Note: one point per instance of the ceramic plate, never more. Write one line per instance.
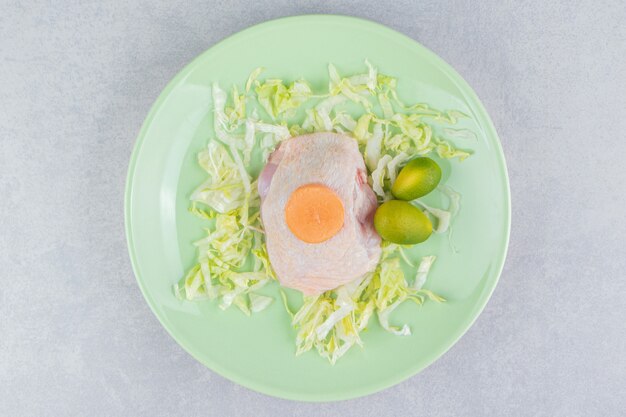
(258, 351)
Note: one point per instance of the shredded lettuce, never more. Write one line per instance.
(454, 197)
(331, 322)
(222, 254)
(344, 121)
(443, 217)
(385, 173)
(253, 77)
(280, 100)
(224, 189)
(410, 131)
(259, 302)
(361, 130)
(249, 141)
(394, 164)
(234, 207)
(222, 124)
(446, 150)
(272, 136)
(378, 177)
(355, 88)
(464, 134)
(454, 207)
(422, 271)
(319, 118)
(374, 146)
(233, 264)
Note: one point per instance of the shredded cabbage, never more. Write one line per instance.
(385, 174)
(234, 203)
(280, 100)
(443, 216)
(224, 189)
(374, 146)
(318, 118)
(233, 264)
(221, 255)
(259, 302)
(454, 207)
(378, 177)
(422, 271)
(361, 130)
(394, 164)
(331, 322)
(446, 150)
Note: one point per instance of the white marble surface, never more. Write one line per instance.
(76, 336)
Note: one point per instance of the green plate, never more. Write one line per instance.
(258, 352)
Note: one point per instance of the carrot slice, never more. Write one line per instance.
(314, 213)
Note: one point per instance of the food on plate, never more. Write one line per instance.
(400, 222)
(418, 177)
(317, 211)
(312, 216)
(314, 213)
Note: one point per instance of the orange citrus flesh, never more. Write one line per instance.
(314, 213)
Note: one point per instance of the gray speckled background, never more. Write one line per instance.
(76, 81)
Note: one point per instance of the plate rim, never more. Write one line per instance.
(463, 87)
